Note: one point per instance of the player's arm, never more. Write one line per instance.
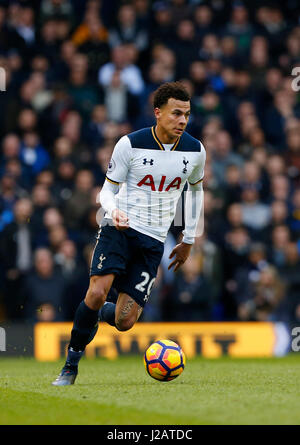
(193, 210)
(108, 202)
(116, 174)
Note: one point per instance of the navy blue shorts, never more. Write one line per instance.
(132, 256)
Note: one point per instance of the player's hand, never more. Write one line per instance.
(120, 219)
(181, 252)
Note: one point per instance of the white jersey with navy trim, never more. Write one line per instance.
(151, 176)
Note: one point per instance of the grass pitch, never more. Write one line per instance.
(222, 391)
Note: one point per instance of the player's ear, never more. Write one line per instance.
(157, 112)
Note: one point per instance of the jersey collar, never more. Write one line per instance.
(159, 143)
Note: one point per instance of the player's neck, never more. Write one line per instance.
(163, 136)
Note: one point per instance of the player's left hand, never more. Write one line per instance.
(181, 252)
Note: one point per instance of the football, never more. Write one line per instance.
(164, 360)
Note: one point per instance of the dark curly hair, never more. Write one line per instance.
(168, 90)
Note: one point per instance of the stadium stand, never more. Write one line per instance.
(79, 75)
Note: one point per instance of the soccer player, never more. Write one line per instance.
(145, 178)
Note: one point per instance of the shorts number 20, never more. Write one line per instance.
(143, 284)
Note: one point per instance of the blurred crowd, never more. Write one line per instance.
(81, 74)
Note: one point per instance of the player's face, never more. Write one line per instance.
(172, 119)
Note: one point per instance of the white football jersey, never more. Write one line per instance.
(151, 176)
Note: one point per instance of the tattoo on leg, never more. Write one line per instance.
(140, 310)
(126, 309)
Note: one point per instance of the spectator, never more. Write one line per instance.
(233, 185)
(266, 296)
(210, 256)
(293, 152)
(191, 295)
(163, 29)
(72, 129)
(91, 29)
(102, 158)
(33, 155)
(234, 216)
(10, 149)
(25, 25)
(259, 60)
(56, 8)
(123, 61)
(48, 44)
(289, 272)
(280, 187)
(256, 215)
(65, 173)
(198, 76)
(51, 218)
(120, 103)
(57, 234)
(235, 252)
(203, 16)
(75, 275)
(240, 27)
(16, 256)
(62, 149)
(223, 155)
(83, 95)
(183, 47)
(294, 219)
(79, 202)
(41, 199)
(280, 237)
(283, 107)
(9, 38)
(165, 58)
(91, 39)
(180, 10)
(128, 29)
(95, 127)
(247, 275)
(230, 56)
(9, 192)
(44, 289)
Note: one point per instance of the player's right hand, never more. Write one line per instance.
(120, 219)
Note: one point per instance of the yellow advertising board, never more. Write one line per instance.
(211, 340)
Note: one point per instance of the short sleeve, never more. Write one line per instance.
(120, 161)
(197, 174)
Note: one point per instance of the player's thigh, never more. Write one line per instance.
(128, 312)
(141, 271)
(111, 252)
(108, 260)
(98, 289)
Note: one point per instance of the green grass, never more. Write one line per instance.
(222, 391)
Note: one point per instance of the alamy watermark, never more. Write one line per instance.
(157, 212)
(2, 340)
(296, 339)
(296, 81)
(2, 79)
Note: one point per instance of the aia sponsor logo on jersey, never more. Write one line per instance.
(149, 182)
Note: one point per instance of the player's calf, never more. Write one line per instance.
(125, 324)
(84, 327)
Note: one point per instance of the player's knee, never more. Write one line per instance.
(96, 295)
(125, 324)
